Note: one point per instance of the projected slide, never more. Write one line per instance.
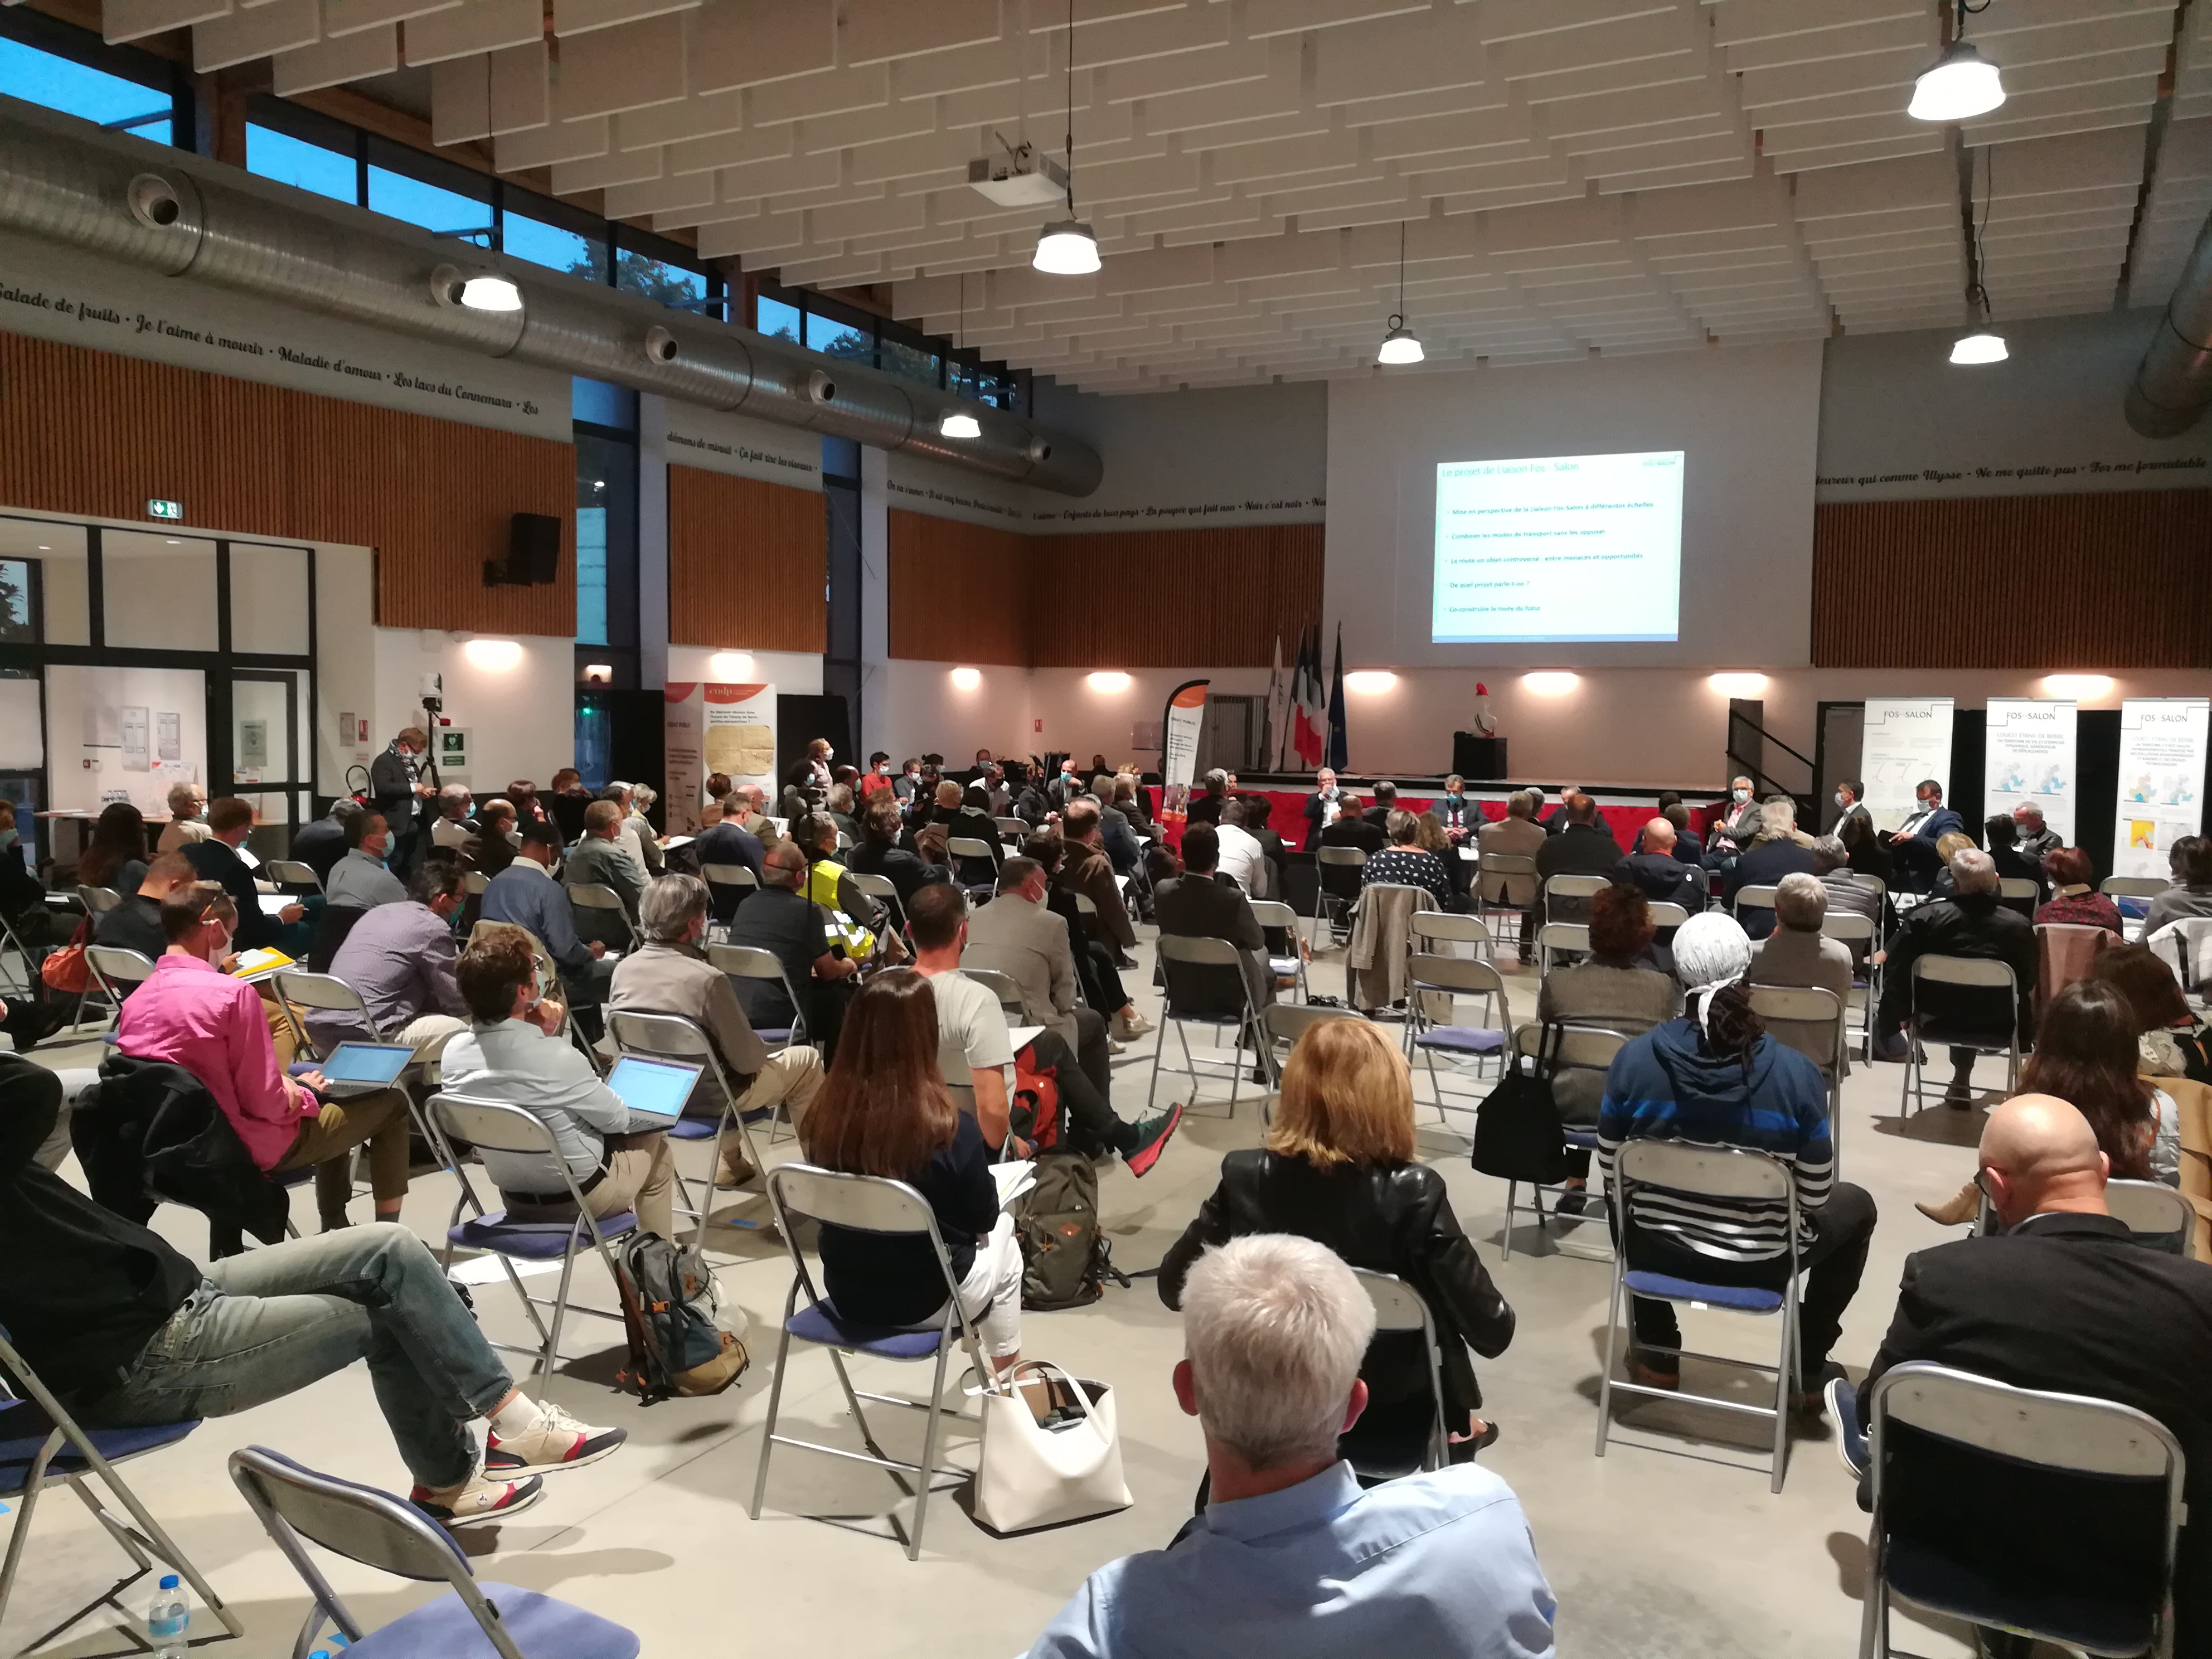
(1568, 548)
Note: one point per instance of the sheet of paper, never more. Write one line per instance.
(1014, 1179)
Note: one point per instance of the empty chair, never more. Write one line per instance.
(1498, 867)
(1432, 981)
(1339, 868)
(2133, 894)
(1566, 898)
(1447, 933)
(1285, 1023)
(1859, 935)
(296, 1507)
(1289, 964)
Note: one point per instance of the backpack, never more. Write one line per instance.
(672, 1316)
(1034, 1113)
(1066, 1258)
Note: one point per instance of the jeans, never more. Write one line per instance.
(1102, 980)
(1091, 1123)
(270, 1322)
(1092, 1050)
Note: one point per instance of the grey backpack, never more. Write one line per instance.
(1065, 1256)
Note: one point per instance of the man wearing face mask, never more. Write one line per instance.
(1849, 803)
(907, 782)
(359, 880)
(230, 821)
(1915, 839)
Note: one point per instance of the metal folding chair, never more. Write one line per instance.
(97, 899)
(41, 1444)
(869, 1204)
(1380, 1450)
(1753, 898)
(1285, 1023)
(880, 888)
(299, 992)
(1428, 975)
(2019, 893)
(1729, 1174)
(291, 872)
(1447, 933)
(1559, 938)
(2132, 887)
(1665, 913)
(1217, 962)
(1001, 985)
(1572, 887)
(494, 1126)
(1012, 832)
(749, 962)
(2079, 1445)
(973, 866)
(671, 1036)
(594, 906)
(1338, 888)
(1817, 1008)
(473, 883)
(1572, 1047)
(1919, 1031)
(736, 877)
(1272, 914)
(1853, 930)
(11, 940)
(296, 1507)
(110, 970)
(1499, 865)
(2160, 1216)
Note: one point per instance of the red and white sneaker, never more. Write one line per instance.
(480, 1498)
(559, 1441)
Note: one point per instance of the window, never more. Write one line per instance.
(19, 610)
(431, 206)
(777, 320)
(290, 161)
(908, 362)
(568, 251)
(607, 540)
(656, 279)
(835, 339)
(75, 88)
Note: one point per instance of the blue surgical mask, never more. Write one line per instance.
(1840, 801)
(7, 839)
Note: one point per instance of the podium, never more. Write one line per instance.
(1478, 757)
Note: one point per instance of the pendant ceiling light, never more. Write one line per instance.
(1401, 344)
(957, 422)
(1962, 83)
(1068, 248)
(1983, 344)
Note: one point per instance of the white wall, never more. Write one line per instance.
(346, 664)
(522, 718)
(915, 708)
(793, 673)
(1226, 456)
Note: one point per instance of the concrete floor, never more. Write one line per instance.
(1668, 1547)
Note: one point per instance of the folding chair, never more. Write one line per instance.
(1338, 890)
(494, 1126)
(2119, 888)
(1958, 970)
(734, 877)
(1820, 1009)
(1002, 986)
(1753, 898)
(1572, 887)
(298, 993)
(973, 866)
(290, 872)
(110, 970)
(1728, 1174)
(40, 1444)
(1429, 975)
(1215, 962)
(1272, 913)
(1378, 1448)
(1565, 937)
(11, 940)
(473, 882)
(879, 888)
(1665, 913)
(1012, 832)
(868, 1204)
(1501, 865)
(2054, 1454)
(2019, 893)
(749, 962)
(1285, 1023)
(594, 906)
(1572, 1047)
(2160, 1216)
(97, 899)
(1854, 930)
(296, 1507)
(671, 1036)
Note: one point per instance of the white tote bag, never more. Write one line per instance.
(1034, 1476)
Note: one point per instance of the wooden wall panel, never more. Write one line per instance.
(2115, 580)
(747, 563)
(959, 593)
(92, 433)
(1175, 598)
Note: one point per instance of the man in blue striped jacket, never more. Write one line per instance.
(1715, 1078)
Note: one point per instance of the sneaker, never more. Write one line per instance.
(1146, 1152)
(1649, 1376)
(559, 1441)
(1129, 1027)
(1851, 1439)
(1115, 1046)
(736, 1170)
(482, 1498)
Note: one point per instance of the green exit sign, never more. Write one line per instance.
(160, 509)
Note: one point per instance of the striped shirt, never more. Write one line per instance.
(1662, 1086)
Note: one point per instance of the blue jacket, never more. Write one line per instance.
(526, 896)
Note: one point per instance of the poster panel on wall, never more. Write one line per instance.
(1906, 740)
(709, 728)
(1185, 713)
(2162, 755)
(2028, 760)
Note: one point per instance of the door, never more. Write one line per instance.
(267, 764)
(1226, 736)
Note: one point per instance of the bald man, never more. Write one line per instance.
(1663, 877)
(2063, 1300)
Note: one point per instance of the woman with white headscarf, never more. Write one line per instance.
(1714, 1077)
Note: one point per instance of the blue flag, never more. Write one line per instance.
(1337, 759)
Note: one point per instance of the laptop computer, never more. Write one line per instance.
(360, 1068)
(654, 1089)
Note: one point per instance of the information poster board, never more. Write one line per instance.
(2029, 760)
(709, 728)
(2162, 754)
(1906, 740)
(1179, 727)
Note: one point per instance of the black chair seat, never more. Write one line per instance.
(2061, 1612)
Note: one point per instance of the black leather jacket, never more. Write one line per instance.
(1387, 1218)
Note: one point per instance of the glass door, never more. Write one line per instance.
(265, 745)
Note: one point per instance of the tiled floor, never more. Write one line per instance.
(1668, 1552)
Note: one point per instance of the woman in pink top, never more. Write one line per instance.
(192, 1014)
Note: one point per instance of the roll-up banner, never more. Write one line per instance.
(2028, 760)
(709, 728)
(1906, 740)
(1179, 726)
(2162, 755)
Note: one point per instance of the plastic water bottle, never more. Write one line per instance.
(169, 1620)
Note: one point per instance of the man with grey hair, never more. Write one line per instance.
(1206, 808)
(451, 827)
(1291, 1558)
(1849, 892)
(1797, 954)
(800, 934)
(1971, 922)
(605, 857)
(1517, 835)
(1779, 849)
(2035, 838)
(670, 974)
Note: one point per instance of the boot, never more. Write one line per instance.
(1961, 1207)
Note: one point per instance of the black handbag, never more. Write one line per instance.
(1516, 1128)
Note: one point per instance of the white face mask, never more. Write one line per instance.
(1842, 799)
(1742, 794)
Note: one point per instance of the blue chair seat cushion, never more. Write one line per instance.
(24, 1428)
(536, 1241)
(1582, 1141)
(1461, 1040)
(822, 1323)
(693, 1128)
(1741, 1299)
(443, 1629)
(773, 1033)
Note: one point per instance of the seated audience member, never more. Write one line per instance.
(1779, 849)
(1658, 873)
(193, 1015)
(2073, 898)
(726, 841)
(513, 1052)
(645, 840)
(565, 800)
(1459, 816)
(320, 843)
(884, 1110)
(1323, 807)
(669, 974)
(975, 1049)
(1033, 801)
(1354, 828)
(215, 857)
(1849, 803)
(1123, 849)
(876, 779)
(1084, 869)
(1430, 836)
(1206, 808)
(1868, 853)
(960, 815)
(1240, 857)
(2170, 1041)
(1094, 957)
(359, 880)
(117, 857)
(839, 808)
(1340, 1168)
(187, 818)
(879, 853)
(135, 1336)
(1969, 923)
(523, 794)
(1256, 810)
(782, 920)
(22, 895)
(1291, 1558)
(2001, 832)
(867, 931)
(1616, 989)
(1583, 846)
(399, 957)
(1386, 802)
(905, 787)
(525, 895)
(491, 849)
(2061, 1301)
(1739, 821)
(1913, 842)
(998, 797)
(2035, 839)
(1403, 863)
(1198, 904)
(1796, 953)
(1848, 893)
(752, 815)
(1131, 800)
(1716, 1078)
(1689, 845)
(2190, 861)
(136, 924)
(604, 858)
(451, 827)
(1517, 835)
(717, 785)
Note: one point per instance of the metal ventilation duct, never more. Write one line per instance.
(2173, 383)
(127, 200)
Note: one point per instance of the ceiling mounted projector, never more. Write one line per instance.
(1021, 177)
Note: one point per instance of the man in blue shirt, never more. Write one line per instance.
(1291, 1558)
(526, 894)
